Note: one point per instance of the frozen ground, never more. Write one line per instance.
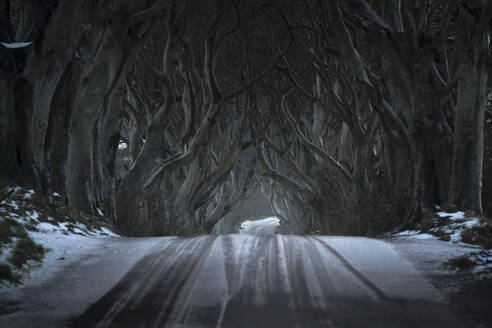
(250, 280)
(64, 250)
(465, 292)
(443, 242)
(256, 278)
(82, 263)
(428, 255)
(65, 239)
(75, 275)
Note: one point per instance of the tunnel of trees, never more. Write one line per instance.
(348, 116)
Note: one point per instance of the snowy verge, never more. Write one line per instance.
(458, 240)
(92, 267)
(64, 249)
(36, 241)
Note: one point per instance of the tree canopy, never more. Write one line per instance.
(351, 116)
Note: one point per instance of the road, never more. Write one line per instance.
(258, 279)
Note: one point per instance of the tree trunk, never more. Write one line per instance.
(413, 89)
(466, 178)
(100, 78)
(106, 145)
(10, 127)
(472, 44)
(57, 134)
(44, 72)
(131, 191)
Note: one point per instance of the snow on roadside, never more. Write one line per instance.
(64, 248)
(428, 257)
(453, 235)
(64, 239)
(415, 234)
(455, 224)
(459, 223)
(483, 263)
(453, 216)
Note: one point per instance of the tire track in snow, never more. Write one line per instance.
(379, 293)
(148, 289)
(252, 281)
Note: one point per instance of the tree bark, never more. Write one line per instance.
(466, 177)
(472, 42)
(44, 72)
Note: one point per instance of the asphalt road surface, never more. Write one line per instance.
(260, 279)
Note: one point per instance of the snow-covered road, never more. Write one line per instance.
(65, 287)
(270, 281)
(253, 279)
